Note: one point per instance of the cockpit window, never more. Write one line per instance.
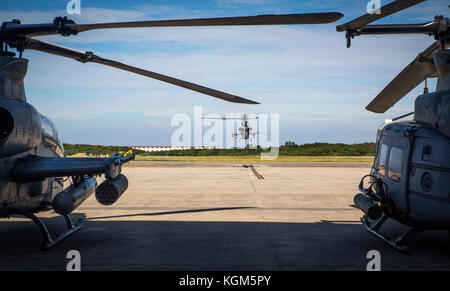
(395, 164)
(50, 132)
(383, 159)
(48, 128)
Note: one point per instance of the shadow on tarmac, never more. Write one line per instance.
(198, 245)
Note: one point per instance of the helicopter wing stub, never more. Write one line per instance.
(271, 19)
(84, 57)
(386, 10)
(35, 168)
(417, 71)
(39, 168)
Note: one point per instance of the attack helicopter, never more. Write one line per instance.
(33, 165)
(245, 131)
(410, 177)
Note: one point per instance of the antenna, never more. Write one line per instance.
(425, 89)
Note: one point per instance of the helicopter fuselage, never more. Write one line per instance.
(23, 132)
(410, 178)
(33, 164)
(413, 160)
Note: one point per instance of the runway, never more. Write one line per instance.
(222, 217)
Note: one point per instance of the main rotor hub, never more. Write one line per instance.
(62, 25)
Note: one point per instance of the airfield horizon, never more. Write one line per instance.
(257, 159)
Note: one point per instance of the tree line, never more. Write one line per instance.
(288, 149)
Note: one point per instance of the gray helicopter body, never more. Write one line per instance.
(33, 164)
(245, 130)
(24, 132)
(410, 178)
(411, 171)
(413, 157)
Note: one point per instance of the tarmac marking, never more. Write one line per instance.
(258, 175)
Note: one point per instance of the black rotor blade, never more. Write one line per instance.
(225, 118)
(412, 75)
(386, 10)
(271, 19)
(66, 27)
(84, 57)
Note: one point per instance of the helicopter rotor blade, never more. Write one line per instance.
(85, 57)
(386, 10)
(271, 19)
(66, 27)
(421, 68)
(231, 118)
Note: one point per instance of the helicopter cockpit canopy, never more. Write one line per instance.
(50, 132)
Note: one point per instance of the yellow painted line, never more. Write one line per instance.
(258, 175)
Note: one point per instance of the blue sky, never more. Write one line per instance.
(303, 73)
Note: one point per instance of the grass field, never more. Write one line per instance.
(251, 159)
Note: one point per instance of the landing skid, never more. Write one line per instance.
(398, 243)
(50, 241)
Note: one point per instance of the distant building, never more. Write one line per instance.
(171, 148)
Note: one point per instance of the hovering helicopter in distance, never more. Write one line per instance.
(245, 131)
(32, 161)
(410, 178)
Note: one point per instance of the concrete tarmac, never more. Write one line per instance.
(223, 218)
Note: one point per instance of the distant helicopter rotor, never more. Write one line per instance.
(245, 131)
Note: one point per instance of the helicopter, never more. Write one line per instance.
(410, 178)
(33, 165)
(245, 131)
